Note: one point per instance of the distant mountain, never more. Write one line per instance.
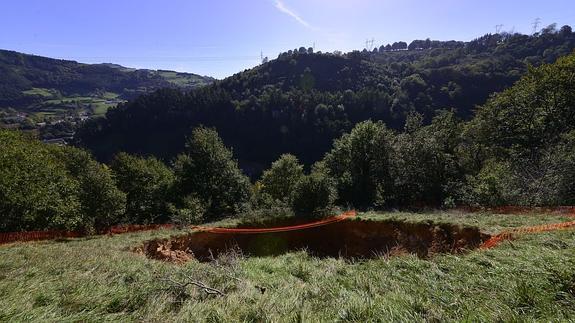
(40, 89)
(302, 100)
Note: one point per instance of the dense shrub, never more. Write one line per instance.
(374, 167)
(36, 191)
(424, 165)
(190, 210)
(102, 203)
(207, 171)
(563, 159)
(360, 163)
(50, 187)
(280, 180)
(518, 149)
(314, 195)
(492, 186)
(148, 185)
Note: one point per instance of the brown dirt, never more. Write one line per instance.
(355, 239)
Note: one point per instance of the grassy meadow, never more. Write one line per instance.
(531, 278)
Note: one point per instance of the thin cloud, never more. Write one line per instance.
(283, 8)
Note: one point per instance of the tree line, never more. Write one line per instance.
(519, 149)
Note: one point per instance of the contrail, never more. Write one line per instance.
(283, 8)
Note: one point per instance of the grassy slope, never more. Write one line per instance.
(532, 278)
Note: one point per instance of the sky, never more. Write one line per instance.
(219, 38)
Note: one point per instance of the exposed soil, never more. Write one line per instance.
(356, 239)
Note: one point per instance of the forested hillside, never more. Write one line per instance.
(40, 90)
(301, 101)
(20, 73)
(519, 149)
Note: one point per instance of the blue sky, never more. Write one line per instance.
(220, 38)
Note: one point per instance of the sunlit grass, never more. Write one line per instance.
(97, 279)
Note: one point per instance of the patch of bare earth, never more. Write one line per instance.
(352, 239)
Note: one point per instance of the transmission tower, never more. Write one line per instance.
(263, 59)
(369, 44)
(498, 28)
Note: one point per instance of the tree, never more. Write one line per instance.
(526, 129)
(314, 195)
(51, 187)
(36, 193)
(421, 169)
(102, 203)
(399, 45)
(307, 81)
(529, 116)
(566, 30)
(207, 171)
(148, 185)
(280, 180)
(272, 99)
(562, 157)
(360, 164)
(492, 186)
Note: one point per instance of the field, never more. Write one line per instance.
(97, 105)
(101, 279)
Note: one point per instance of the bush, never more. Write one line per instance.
(314, 196)
(191, 211)
(102, 203)
(280, 180)
(36, 192)
(264, 207)
(360, 164)
(207, 171)
(493, 186)
(51, 187)
(147, 183)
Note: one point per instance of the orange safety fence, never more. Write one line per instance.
(327, 221)
(9, 237)
(508, 234)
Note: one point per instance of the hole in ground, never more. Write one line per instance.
(354, 239)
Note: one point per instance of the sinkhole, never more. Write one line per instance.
(352, 239)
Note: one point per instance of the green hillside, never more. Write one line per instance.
(35, 89)
(301, 101)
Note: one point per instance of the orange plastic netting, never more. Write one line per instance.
(8, 237)
(319, 223)
(509, 234)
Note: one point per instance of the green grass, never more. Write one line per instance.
(100, 108)
(99, 279)
(46, 93)
(179, 79)
(99, 105)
